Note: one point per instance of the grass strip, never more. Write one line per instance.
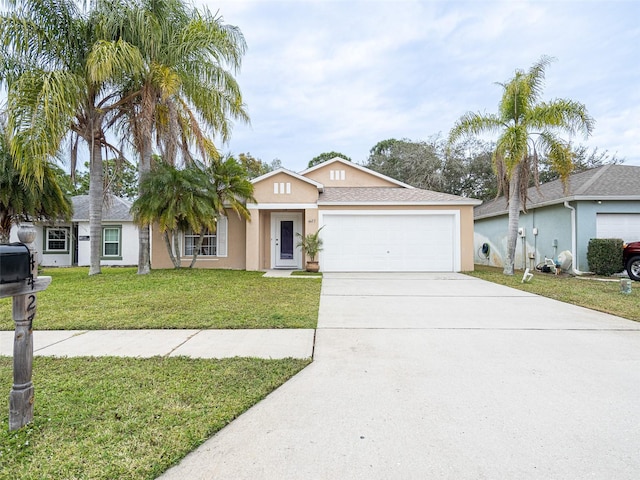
(590, 292)
(196, 299)
(106, 418)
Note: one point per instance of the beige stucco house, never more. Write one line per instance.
(371, 223)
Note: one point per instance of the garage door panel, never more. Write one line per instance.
(380, 242)
(618, 225)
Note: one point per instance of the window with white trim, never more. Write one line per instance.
(112, 241)
(214, 244)
(208, 247)
(56, 240)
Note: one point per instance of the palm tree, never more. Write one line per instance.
(185, 88)
(528, 128)
(58, 75)
(26, 199)
(190, 199)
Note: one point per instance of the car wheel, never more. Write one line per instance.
(633, 268)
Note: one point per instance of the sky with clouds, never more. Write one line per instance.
(341, 75)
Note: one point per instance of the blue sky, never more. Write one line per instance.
(341, 76)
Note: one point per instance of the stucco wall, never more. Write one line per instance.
(295, 190)
(235, 259)
(553, 224)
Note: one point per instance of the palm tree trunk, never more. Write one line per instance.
(96, 193)
(514, 217)
(197, 249)
(167, 242)
(144, 231)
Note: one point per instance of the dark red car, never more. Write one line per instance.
(631, 257)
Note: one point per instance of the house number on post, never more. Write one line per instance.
(23, 291)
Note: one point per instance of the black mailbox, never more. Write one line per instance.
(15, 263)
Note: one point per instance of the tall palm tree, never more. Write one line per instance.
(527, 128)
(59, 76)
(187, 87)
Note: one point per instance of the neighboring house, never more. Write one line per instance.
(371, 223)
(66, 244)
(600, 203)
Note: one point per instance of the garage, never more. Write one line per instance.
(390, 241)
(618, 225)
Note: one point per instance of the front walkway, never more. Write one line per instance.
(443, 376)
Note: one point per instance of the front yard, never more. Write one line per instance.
(597, 294)
(194, 299)
(105, 418)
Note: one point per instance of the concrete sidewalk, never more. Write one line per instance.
(443, 376)
(282, 343)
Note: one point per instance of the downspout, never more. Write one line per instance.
(574, 250)
(574, 246)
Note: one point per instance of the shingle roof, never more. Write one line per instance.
(389, 195)
(113, 209)
(609, 182)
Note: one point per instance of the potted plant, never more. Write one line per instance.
(311, 244)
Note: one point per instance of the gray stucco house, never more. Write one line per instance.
(600, 203)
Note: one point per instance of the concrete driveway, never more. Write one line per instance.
(429, 376)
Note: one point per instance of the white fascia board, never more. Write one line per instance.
(281, 206)
(560, 201)
(399, 204)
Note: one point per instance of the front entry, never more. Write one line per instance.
(284, 253)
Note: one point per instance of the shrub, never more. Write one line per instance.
(605, 256)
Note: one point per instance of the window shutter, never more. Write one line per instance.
(221, 236)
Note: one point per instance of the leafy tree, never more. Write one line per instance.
(120, 179)
(527, 128)
(323, 157)
(190, 198)
(25, 199)
(467, 170)
(185, 85)
(58, 72)
(416, 163)
(254, 166)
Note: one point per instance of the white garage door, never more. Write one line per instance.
(400, 241)
(618, 225)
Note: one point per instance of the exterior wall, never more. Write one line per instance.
(553, 236)
(554, 232)
(353, 177)
(128, 246)
(48, 259)
(466, 224)
(236, 249)
(586, 212)
(295, 190)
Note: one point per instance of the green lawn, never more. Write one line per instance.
(195, 299)
(603, 296)
(115, 418)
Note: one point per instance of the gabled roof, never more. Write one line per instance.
(389, 196)
(609, 182)
(113, 209)
(357, 167)
(318, 185)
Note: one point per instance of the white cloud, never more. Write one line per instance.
(344, 75)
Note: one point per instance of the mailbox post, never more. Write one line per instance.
(21, 282)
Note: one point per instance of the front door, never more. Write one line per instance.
(284, 227)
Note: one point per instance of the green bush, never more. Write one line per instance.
(605, 256)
